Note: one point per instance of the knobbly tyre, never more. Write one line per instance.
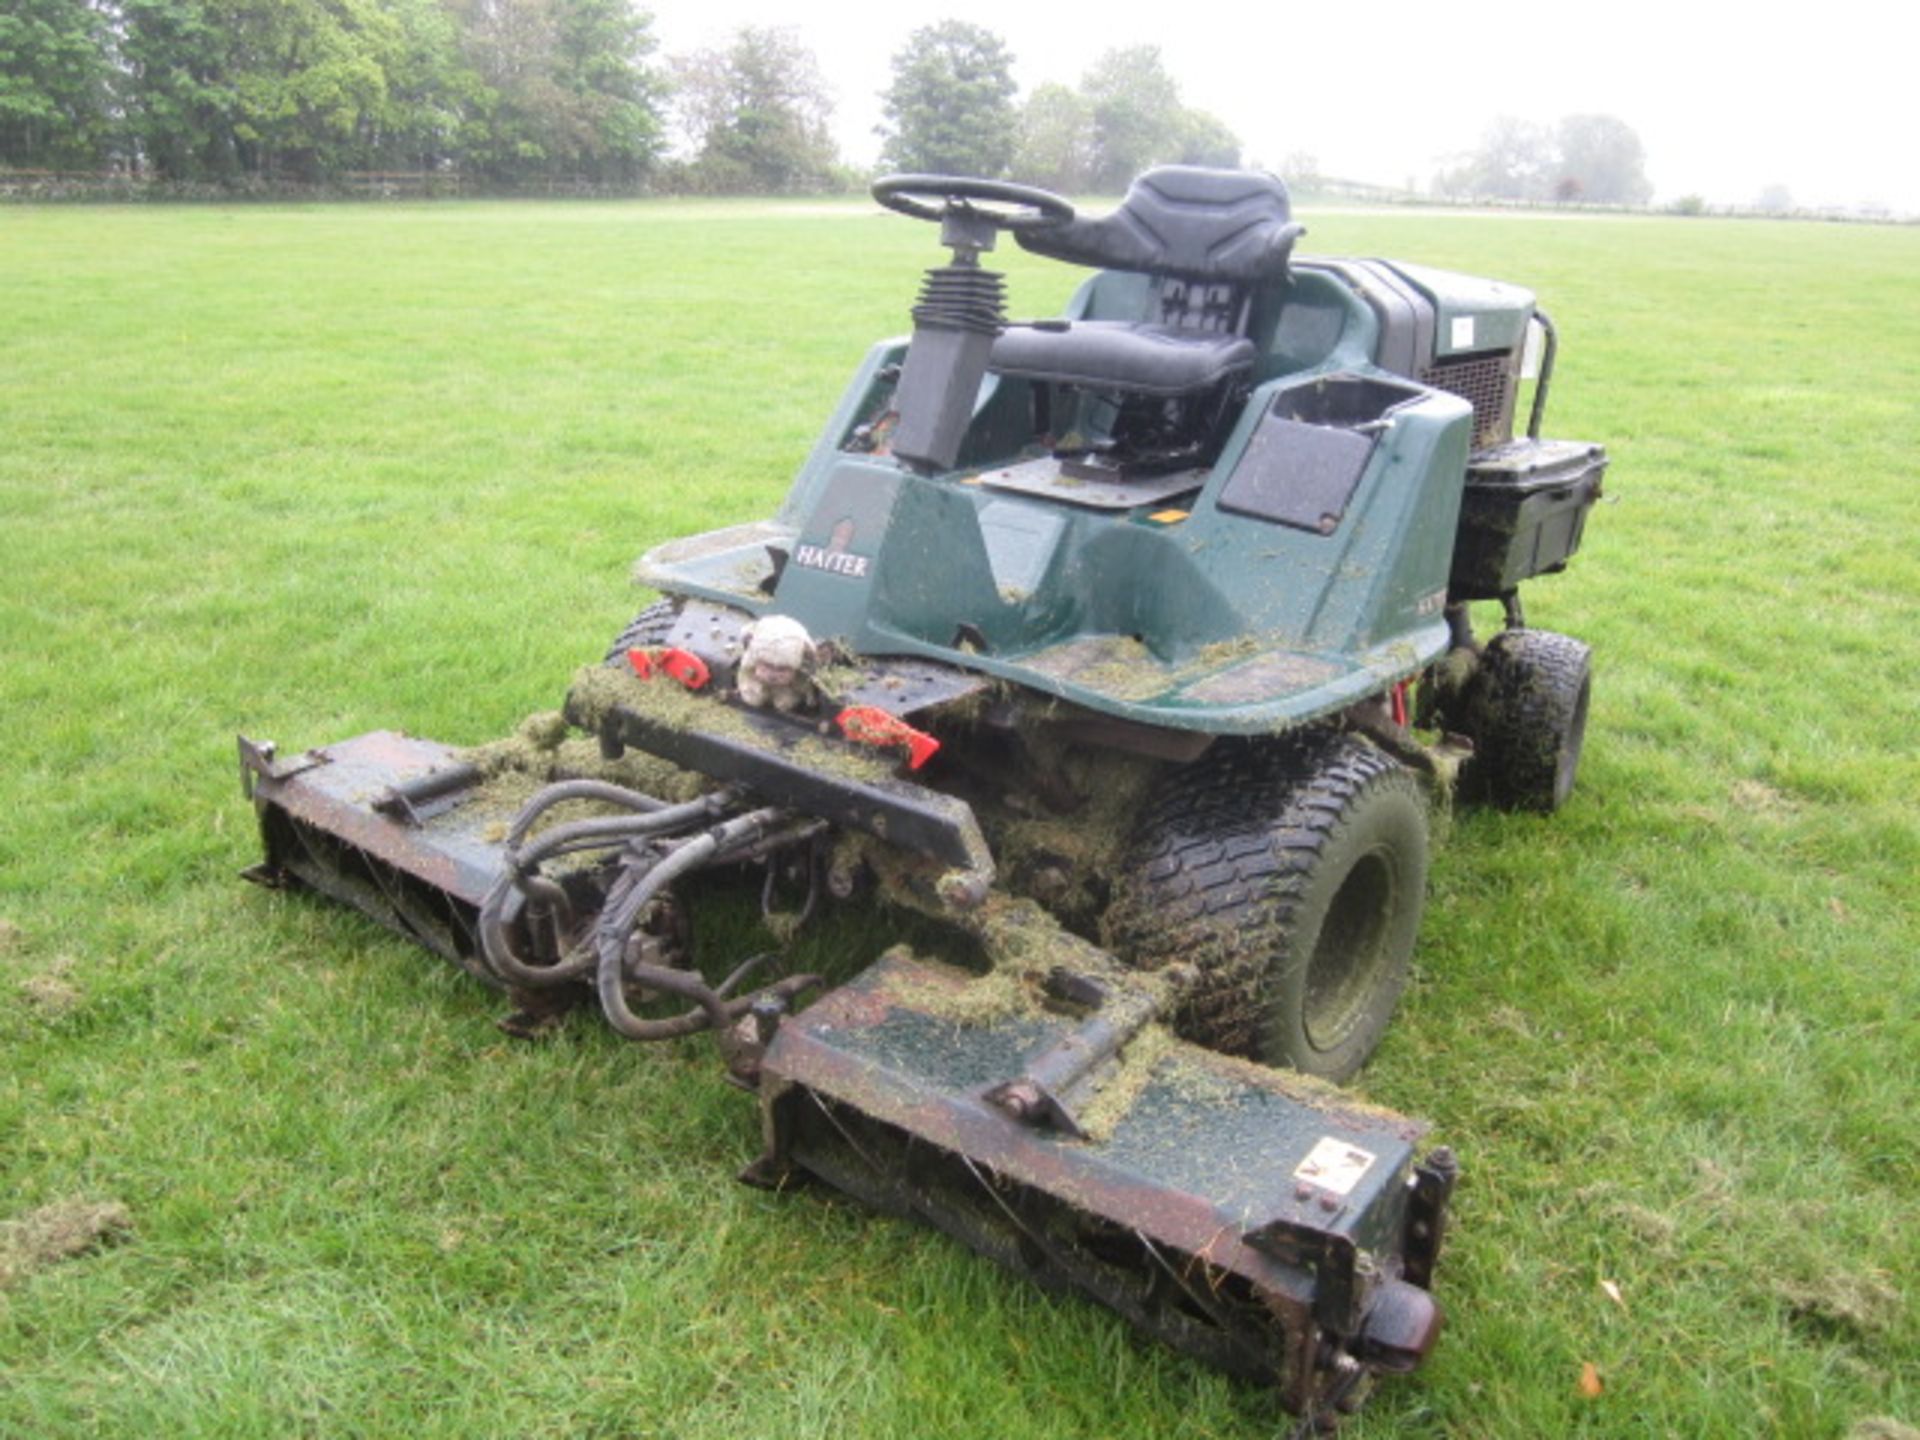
(1134, 647)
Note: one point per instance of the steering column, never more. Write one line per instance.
(962, 305)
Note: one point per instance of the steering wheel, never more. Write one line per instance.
(1028, 208)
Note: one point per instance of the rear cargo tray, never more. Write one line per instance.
(1522, 513)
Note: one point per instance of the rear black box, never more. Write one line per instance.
(1522, 514)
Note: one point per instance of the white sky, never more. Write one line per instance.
(1820, 98)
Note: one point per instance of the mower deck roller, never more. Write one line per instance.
(1268, 1225)
(1278, 1233)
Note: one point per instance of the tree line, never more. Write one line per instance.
(1589, 159)
(507, 93)
(951, 110)
(302, 90)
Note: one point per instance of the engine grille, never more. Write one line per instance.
(1480, 380)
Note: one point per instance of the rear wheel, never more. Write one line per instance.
(1293, 876)
(1527, 712)
(649, 628)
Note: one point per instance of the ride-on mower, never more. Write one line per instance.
(1134, 648)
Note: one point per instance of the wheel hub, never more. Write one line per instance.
(1350, 951)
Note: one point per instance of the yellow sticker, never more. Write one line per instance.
(1168, 517)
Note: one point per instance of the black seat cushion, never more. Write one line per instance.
(1113, 355)
(1232, 227)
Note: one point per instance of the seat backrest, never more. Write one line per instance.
(1216, 227)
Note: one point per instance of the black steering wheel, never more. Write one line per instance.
(1026, 207)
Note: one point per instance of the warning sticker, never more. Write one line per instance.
(1462, 333)
(1334, 1165)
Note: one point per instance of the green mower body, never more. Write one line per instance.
(1300, 565)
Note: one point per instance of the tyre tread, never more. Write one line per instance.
(1216, 855)
(1524, 706)
(650, 627)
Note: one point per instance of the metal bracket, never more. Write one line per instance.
(1432, 1189)
(414, 801)
(1335, 1262)
(1044, 1092)
(257, 763)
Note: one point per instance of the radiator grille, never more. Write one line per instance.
(1480, 380)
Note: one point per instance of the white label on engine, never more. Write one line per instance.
(1334, 1165)
(1462, 333)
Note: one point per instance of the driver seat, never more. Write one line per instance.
(1208, 240)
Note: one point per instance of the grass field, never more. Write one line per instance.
(307, 472)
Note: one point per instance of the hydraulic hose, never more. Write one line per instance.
(660, 852)
(628, 900)
(519, 880)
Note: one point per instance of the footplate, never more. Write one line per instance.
(1272, 1227)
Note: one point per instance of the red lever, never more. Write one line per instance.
(686, 667)
(870, 725)
(683, 665)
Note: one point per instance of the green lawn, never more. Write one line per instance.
(311, 471)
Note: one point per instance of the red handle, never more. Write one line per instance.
(870, 725)
(683, 665)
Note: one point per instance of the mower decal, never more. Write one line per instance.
(1334, 1165)
(834, 562)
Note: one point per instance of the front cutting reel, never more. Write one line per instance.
(1036, 1108)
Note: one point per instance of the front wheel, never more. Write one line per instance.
(1293, 876)
(1526, 710)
